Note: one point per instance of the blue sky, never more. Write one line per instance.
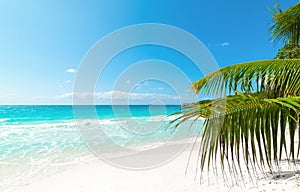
(41, 40)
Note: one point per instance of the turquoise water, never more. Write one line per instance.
(34, 129)
(11, 114)
(39, 140)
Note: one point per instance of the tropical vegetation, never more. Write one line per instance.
(286, 29)
(254, 116)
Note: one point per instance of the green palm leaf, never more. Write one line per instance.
(275, 78)
(286, 25)
(259, 102)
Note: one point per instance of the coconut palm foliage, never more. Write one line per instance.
(286, 24)
(254, 118)
(286, 28)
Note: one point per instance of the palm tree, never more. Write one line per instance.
(286, 28)
(286, 24)
(254, 117)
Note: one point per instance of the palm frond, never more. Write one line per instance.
(275, 78)
(286, 25)
(259, 104)
(247, 126)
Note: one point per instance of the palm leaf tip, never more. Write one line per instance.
(251, 122)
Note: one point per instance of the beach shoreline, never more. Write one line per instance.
(59, 159)
(175, 175)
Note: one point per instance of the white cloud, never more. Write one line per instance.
(128, 81)
(71, 70)
(225, 44)
(65, 95)
(60, 86)
(142, 84)
(68, 81)
(118, 95)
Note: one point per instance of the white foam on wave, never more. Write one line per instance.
(51, 135)
(4, 119)
(40, 124)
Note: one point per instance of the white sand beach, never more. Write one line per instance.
(96, 175)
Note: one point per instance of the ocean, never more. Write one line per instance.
(40, 140)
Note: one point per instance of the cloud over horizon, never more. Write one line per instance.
(120, 97)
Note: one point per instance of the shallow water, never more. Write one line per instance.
(39, 141)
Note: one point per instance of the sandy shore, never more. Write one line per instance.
(97, 175)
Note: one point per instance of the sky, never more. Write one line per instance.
(43, 45)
